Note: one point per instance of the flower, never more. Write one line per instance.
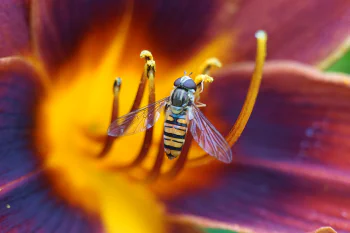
(289, 172)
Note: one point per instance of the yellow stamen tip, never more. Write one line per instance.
(118, 82)
(151, 63)
(203, 78)
(8, 206)
(116, 85)
(213, 62)
(146, 54)
(208, 64)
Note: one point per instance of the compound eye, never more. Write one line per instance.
(190, 84)
(177, 82)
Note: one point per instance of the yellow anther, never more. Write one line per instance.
(116, 85)
(150, 69)
(203, 78)
(150, 66)
(208, 64)
(8, 206)
(253, 91)
(146, 55)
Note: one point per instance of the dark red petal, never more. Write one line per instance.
(266, 201)
(306, 31)
(14, 27)
(28, 205)
(19, 93)
(291, 172)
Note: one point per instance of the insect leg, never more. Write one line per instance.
(200, 105)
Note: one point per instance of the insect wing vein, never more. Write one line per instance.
(208, 138)
(137, 121)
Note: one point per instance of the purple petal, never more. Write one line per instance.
(14, 27)
(291, 172)
(19, 92)
(179, 28)
(266, 201)
(301, 117)
(306, 31)
(29, 205)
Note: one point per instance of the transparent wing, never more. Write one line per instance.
(208, 138)
(137, 121)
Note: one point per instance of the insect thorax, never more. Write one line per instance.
(180, 100)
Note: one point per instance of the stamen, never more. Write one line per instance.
(249, 103)
(253, 91)
(202, 78)
(205, 69)
(115, 110)
(141, 90)
(149, 72)
(208, 64)
(156, 170)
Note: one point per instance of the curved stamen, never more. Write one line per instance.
(253, 90)
(208, 64)
(156, 169)
(252, 94)
(136, 104)
(115, 111)
(149, 71)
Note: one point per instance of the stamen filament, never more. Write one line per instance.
(208, 64)
(139, 93)
(115, 111)
(156, 170)
(253, 91)
(249, 103)
(149, 72)
(141, 90)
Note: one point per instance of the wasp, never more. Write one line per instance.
(181, 113)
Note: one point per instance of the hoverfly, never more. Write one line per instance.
(181, 113)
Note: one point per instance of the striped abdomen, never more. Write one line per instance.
(175, 129)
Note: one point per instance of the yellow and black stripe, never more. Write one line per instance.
(175, 129)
